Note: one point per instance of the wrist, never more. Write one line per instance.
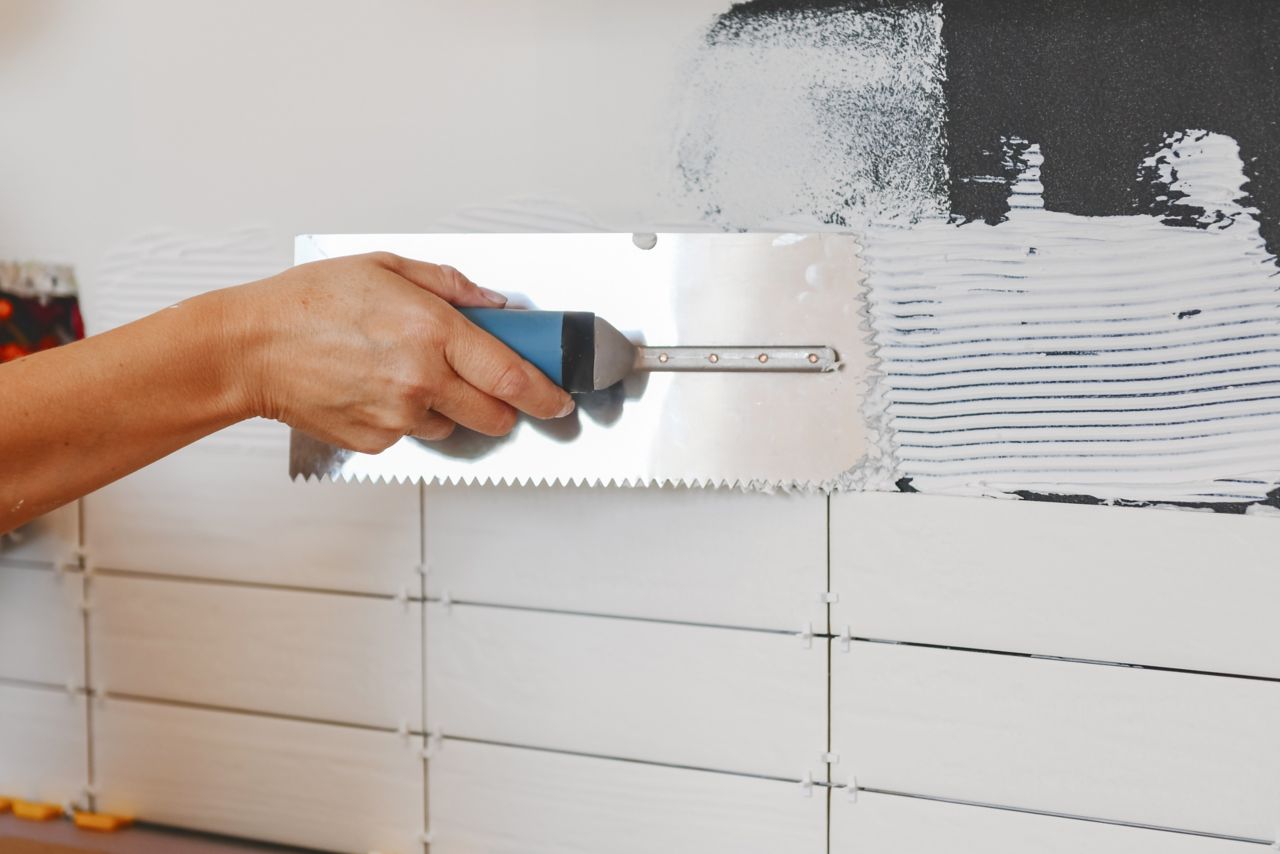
(237, 349)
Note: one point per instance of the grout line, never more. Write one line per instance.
(1088, 661)
(254, 585)
(86, 617)
(1069, 816)
(38, 685)
(22, 564)
(252, 713)
(830, 779)
(659, 620)
(422, 660)
(610, 758)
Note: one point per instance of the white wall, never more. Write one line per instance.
(300, 116)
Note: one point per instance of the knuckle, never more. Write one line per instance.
(513, 381)
(383, 258)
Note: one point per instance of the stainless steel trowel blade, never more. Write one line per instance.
(753, 430)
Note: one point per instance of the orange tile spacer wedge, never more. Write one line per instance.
(35, 811)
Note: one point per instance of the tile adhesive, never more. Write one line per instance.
(1069, 230)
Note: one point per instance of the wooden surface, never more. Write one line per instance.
(702, 556)
(1150, 747)
(63, 837)
(209, 511)
(1141, 586)
(351, 659)
(41, 626)
(726, 699)
(317, 785)
(886, 824)
(507, 800)
(43, 755)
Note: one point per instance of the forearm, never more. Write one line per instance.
(77, 417)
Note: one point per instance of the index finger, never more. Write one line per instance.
(497, 370)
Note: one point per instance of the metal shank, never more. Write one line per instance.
(793, 359)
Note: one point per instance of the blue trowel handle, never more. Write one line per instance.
(561, 344)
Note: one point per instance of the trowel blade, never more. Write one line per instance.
(755, 430)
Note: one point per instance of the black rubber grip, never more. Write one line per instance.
(578, 349)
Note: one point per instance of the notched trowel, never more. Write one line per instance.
(742, 390)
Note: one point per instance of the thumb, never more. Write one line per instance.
(442, 280)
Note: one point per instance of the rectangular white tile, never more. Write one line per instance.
(726, 699)
(510, 800)
(1151, 747)
(317, 785)
(41, 625)
(1169, 588)
(43, 751)
(715, 556)
(887, 824)
(224, 512)
(52, 538)
(352, 659)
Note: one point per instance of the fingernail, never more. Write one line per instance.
(568, 407)
(493, 296)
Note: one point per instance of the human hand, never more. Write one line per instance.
(363, 350)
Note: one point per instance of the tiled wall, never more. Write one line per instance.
(359, 668)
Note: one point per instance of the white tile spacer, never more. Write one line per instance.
(403, 596)
(806, 785)
(846, 639)
(830, 758)
(426, 837)
(806, 635)
(435, 741)
(402, 729)
(829, 597)
(851, 790)
(446, 600)
(423, 569)
(71, 687)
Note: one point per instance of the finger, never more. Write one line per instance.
(493, 368)
(444, 281)
(433, 426)
(472, 408)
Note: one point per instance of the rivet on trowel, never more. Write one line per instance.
(763, 357)
(713, 358)
(663, 357)
(813, 358)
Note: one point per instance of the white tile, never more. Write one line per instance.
(509, 800)
(216, 511)
(317, 785)
(705, 556)
(43, 752)
(725, 699)
(351, 659)
(886, 824)
(1136, 585)
(1151, 747)
(52, 538)
(41, 625)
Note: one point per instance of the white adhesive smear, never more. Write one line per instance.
(815, 118)
(1120, 358)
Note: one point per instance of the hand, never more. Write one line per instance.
(364, 350)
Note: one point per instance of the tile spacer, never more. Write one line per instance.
(829, 597)
(100, 822)
(829, 758)
(806, 785)
(846, 639)
(806, 635)
(446, 600)
(34, 811)
(851, 790)
(435, 741)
